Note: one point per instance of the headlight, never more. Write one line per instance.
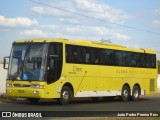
(37, 86)
(8, 85)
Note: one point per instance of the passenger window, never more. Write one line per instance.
(153, 61)
(87, 55)
(91, 55)
(69, 58)
(74, 54)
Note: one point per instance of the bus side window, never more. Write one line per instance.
(73, 54)
(69, 57)
(102, 56)
(87, 55)
(106, 57)
(142, 60)
(96, 56)
(119, 58)
(77, 54)
(148, 61)
(153, 61)
(90, 55)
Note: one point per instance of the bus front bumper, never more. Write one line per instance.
(25, 92)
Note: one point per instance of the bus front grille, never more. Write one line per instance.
(21, 85)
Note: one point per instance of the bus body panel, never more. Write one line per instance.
(89, 80)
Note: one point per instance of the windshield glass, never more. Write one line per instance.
(27, 62)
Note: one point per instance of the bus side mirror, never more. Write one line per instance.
(5, 63)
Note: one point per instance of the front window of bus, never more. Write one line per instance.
(27, 62)
(16, 61)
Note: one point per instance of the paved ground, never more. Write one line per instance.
(82, 107)
(147, 103)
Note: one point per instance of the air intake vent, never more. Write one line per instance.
(21, 85)
(152, 84)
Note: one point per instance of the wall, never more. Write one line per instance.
(3, 75)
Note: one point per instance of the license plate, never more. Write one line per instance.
(21, 91)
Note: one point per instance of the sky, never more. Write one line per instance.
(21, 19)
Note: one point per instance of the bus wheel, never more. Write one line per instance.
(125, 93)
(66, 95)
(33, 100)
(135, 93)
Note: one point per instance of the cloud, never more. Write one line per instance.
(156, 23)
(98, 31)
(101, 11)
(157, 12)
(121, 36)
(75, 26)
(17, 22)
(46, 11)
(91, 6)
(60, 35)
(4, 30)
(86, 7)
(52, 27)
(86, 32)
(34, 33)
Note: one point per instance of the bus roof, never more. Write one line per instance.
(98, 44)
(41, 40)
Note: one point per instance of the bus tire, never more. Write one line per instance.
(135, 93)
(66, 95)
(125, 93)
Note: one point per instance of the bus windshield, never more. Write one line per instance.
(27, 61)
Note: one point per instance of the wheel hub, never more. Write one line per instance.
(136, 93)
(125, 93)
(65, 95)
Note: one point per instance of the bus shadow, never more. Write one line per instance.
(75, 101)
(106, 100)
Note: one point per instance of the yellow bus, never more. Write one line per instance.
(64, 69)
